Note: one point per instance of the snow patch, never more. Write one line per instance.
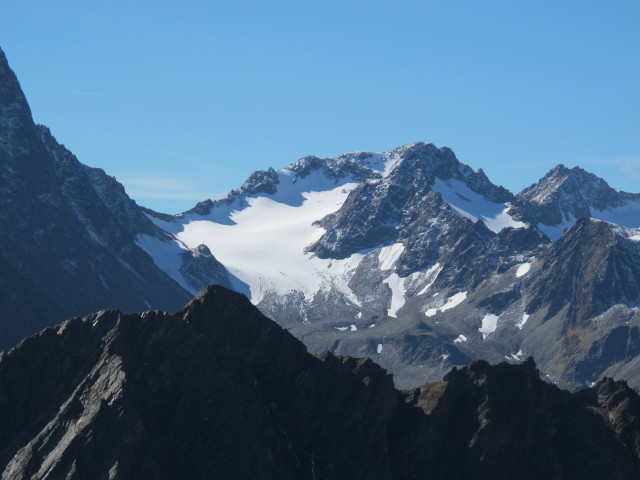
(167, 255)
(523, 269)
(379, 349)
(489, 325)
(450, 303)
(461, 338)
(396, 284)
(469, 204)
(454, 301)
(389, 255)
(354, 328)
(521, 323)
(431, 275)
(342, 329)
(554, 232)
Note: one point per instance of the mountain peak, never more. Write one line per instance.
(566, 194)
(561, 181)
(16, 123)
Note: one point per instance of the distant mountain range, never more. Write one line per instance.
(409, 257)
(418, 261)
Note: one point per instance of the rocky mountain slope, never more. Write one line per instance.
(71, 234)
(219, 390)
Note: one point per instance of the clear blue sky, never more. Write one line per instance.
(181, 101)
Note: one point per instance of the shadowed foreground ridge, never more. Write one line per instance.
(217, 390)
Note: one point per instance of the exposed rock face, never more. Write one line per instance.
(594, 266)
(70, 232)
(403, 207)
(219, 390)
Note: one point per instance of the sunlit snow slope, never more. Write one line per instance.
(264, 245)
(261, 238)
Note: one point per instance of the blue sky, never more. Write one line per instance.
(181, 101)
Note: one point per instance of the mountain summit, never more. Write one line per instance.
(563, 195)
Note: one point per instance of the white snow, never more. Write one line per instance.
(269, 255)
(473, 206)
(517, 356)
(167, 256)
(342, 329)
(521, 323)
(430, 276)
(450, 303)
(554, 232)
(489, 325)
(454, 301)
(523, 269)
(379, 349)
(627, 215)
(396, 284)
(354, 328)
(389, 255)
(461, 338)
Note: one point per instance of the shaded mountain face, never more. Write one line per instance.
(70, 233)
(219, 390)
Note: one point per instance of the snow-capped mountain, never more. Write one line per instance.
(564, 195)
(407, 256)
(70, 234)
(415, 259)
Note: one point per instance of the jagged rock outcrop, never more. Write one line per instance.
(219, 390)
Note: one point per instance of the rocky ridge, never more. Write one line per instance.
(218, 389)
